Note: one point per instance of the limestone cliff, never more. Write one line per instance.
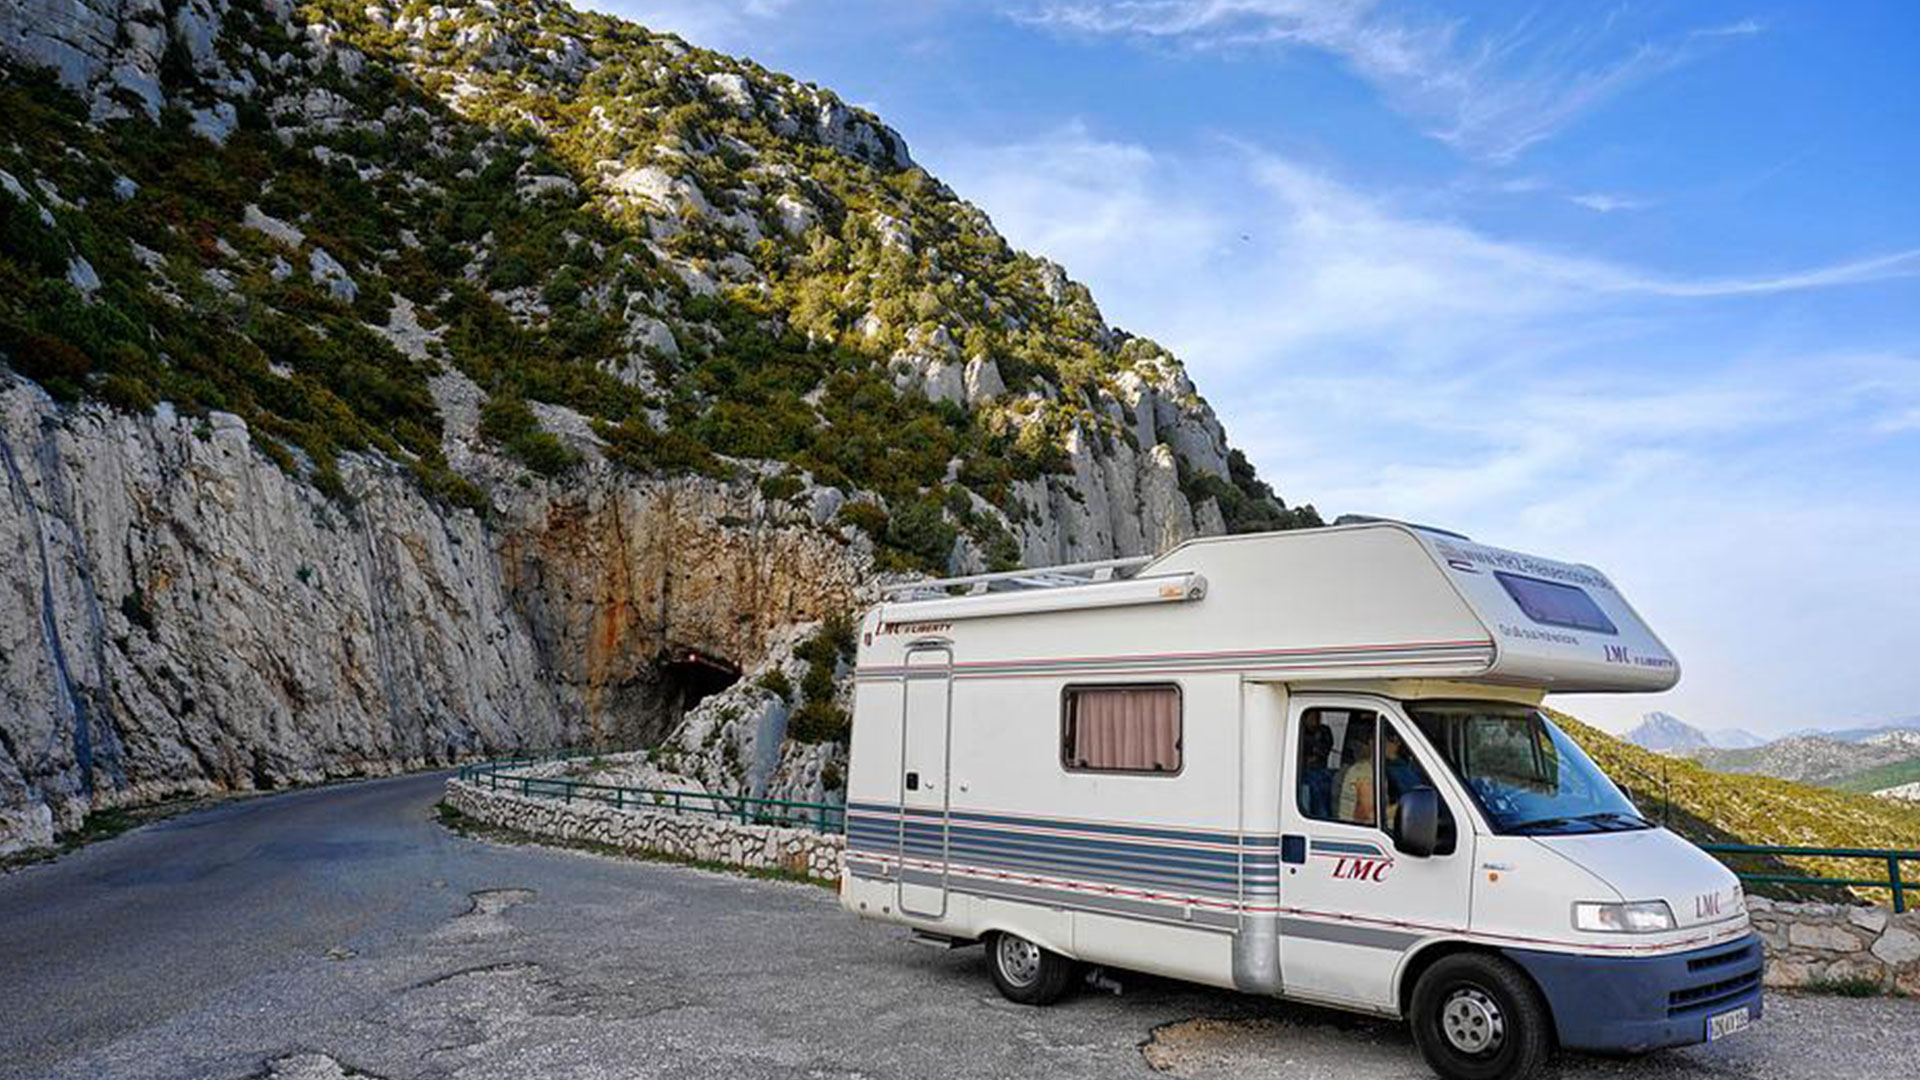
(182, 617)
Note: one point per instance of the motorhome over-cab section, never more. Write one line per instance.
(1365, 601)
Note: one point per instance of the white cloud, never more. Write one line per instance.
(1490, 95)
(1603, 203)
(1374, 359)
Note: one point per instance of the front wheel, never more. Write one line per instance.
(1478, 1017)
(1025, 972)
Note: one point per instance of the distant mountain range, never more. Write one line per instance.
(1862, 734)
(1882, 759)
(1667, 733)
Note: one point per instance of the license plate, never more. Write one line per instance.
(1727, 1023)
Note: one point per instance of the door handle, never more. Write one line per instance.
(913, 781)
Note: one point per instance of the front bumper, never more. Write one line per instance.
(1645, 1003)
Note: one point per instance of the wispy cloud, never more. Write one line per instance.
(1602, 203)
(1381, 359)
(1491, 95)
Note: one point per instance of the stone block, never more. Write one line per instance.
(1897, 947)
(1822, 936)
(1871, 919)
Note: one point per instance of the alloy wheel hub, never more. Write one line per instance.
(1472, 1022)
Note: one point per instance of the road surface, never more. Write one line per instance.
(341, 932)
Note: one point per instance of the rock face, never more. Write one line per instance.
(184, 617)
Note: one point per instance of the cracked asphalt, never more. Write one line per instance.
(341, 932)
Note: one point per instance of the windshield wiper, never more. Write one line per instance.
(1542, 823)
(1626, 820)
(1631, 821)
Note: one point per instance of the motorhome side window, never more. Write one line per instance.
(1341, 769)
(1403, 773)
(1126, 728)
(1337, 766)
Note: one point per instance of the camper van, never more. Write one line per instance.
(1312, 765)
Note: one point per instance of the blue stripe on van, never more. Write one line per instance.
(1180, 856)
(990, 852)
(1104, 852)
(1148, 831)
(1048, 868)
(1344, 847)
(1066, 857)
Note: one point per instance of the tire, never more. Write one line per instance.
(1025, 972)
(1478, 1017)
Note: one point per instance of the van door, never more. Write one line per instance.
(926, 721)
(1352, 906)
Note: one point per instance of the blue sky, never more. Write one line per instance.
(1636, 285)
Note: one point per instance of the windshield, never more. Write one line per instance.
(1527, 776)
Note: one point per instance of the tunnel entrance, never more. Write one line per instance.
(642, 710)
(688, 676)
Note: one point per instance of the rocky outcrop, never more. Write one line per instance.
(184, 617)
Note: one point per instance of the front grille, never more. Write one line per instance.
(1732, 956)
(1708, 996)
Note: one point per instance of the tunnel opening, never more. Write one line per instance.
(641, 711)
(688, 676)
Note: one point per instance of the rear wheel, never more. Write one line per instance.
(1025, 972)
(1478, 1017)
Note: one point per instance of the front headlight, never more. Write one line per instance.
(1639, 917)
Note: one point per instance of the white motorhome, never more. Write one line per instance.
(1309, 764)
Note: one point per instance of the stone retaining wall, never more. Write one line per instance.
(1809, 944)
(760, 847)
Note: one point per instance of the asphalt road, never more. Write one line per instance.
(340, 932)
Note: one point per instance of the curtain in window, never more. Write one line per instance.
(1135, 728)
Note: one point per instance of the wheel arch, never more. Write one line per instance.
(1427, 954)
(1050, 942)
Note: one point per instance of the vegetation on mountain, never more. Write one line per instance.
(714, 265)
(1820, 759)
(1880, 777)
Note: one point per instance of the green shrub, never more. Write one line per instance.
(868, 517)
(775, 682)
(509, 421)
(1853, 986)
(780, 488)
(819, 721)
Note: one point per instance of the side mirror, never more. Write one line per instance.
(1416, 823)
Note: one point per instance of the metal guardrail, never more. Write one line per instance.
(499, 774)
(1892, 857)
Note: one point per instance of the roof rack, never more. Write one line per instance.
(1040, 577)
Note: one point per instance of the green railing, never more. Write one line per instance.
(1891, 858)
(500, 775)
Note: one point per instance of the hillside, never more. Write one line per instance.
(404, 381)
(1716, 807)
(1881, 778)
